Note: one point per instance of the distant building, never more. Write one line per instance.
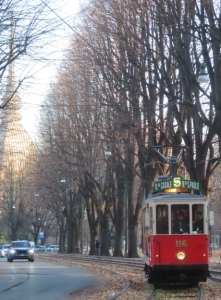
(17, 159)
(16, 146)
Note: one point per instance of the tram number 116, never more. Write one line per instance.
(180, 243)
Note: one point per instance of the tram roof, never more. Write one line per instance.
(175, 196)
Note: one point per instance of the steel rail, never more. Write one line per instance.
(136, 263)
(151, 295)
(192, 294)
(200, 292)
(215, 275)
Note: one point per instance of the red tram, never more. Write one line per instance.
(176, 232)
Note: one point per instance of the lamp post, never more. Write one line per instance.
(82, 217)
(99, 233)
(108, 154)
(65, 234)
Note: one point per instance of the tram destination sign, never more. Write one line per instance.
(176, 182)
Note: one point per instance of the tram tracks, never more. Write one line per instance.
(135, 263)
(178, 292)
(215, 275)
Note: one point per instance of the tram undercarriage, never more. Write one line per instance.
(188, 274)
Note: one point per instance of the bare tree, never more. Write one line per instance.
(130, 83)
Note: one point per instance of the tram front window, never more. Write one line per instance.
(198, 223)
(162, 219)
(180, 219)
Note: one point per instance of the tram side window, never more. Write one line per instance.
(198, 223)
(151, 220)
(162, 219)
(180, 219)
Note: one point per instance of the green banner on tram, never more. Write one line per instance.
(176, 182)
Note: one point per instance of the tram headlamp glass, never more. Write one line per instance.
(181, 255)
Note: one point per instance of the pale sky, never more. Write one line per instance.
(32, 93)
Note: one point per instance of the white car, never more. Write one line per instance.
(4, 250)
(52, 248)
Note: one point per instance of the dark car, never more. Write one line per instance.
(20, 250)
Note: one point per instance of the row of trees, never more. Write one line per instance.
(129, 83)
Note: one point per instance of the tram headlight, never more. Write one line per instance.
(181, 255)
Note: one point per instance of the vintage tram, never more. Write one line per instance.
(176, 232)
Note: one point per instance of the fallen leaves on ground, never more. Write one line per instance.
(111, 284)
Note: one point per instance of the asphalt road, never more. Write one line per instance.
(42, 280)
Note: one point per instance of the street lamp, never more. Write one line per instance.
(203, 76)
(107, 152)
(82, 217)
(63, 180)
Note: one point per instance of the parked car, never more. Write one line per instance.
(39, 248)
(52, 248)
(86, 248)
(4, 250)
(20, 250)
(214, 246)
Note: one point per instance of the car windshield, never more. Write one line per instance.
(20, 244)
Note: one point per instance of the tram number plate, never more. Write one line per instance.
(181, 243)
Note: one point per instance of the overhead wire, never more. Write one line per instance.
(71, 27)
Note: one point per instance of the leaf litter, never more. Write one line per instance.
(111, 283)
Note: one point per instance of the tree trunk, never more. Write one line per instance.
(70, 237)
(93, 235)
(118, 240)
(77, 235)
(104, 243)
(62, 235)
(133, 233)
